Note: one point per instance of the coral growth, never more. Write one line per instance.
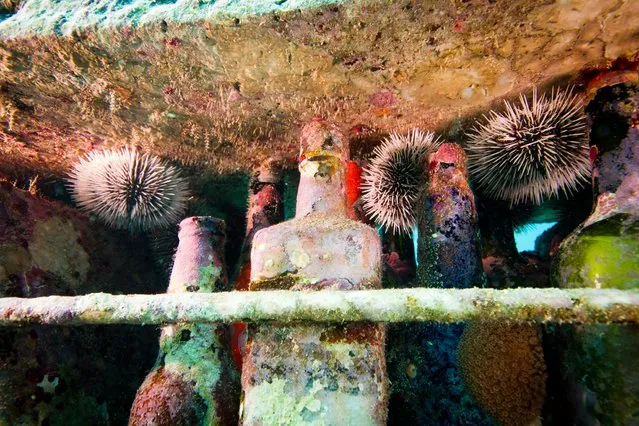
(533, 150)
(503, 366)
(68, 376)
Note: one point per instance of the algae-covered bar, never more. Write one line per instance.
(577, 306)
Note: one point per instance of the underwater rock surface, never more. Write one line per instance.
(225, 84)
(68, 375)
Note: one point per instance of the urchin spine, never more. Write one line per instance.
(531, 150)
(126, 189)
(394, 180)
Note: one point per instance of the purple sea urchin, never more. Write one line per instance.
(394, 179)
(531, 150)
(129, 190)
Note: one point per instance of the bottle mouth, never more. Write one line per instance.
(196, 225)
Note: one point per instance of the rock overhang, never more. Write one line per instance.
(220, 85)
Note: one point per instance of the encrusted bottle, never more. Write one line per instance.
(316, 373)
(604, 250)
(600, 364)
(193, 381)
(449, 245)
(448, 255)
(501, 365)
(265, 208)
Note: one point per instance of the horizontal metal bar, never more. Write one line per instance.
(581, 306)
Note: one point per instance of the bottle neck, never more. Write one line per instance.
(199, 259)
(321, 187)
(265, 202)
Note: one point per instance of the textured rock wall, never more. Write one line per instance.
(221, 85)
(68, 375)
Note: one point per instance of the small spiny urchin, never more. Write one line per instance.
(394, 179)
(532, 150)
(129, 190)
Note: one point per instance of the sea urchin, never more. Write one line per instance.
(394, 179)
(531, 150)
(129, 190)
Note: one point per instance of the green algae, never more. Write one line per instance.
(604, 360)
(281, 282)
(193, 352)
(210, 278)
(332, 387)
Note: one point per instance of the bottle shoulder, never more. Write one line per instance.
(316, 222)
(318, 248)
(600, 254)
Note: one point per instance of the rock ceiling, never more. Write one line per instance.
(222, 91)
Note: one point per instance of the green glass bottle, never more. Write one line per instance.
(603, 252)
(600, 364)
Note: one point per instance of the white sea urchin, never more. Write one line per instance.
(129, 190)
(394, 179)
(531, 150)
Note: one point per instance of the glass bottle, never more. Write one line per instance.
(603, 252)
(449, 245)
(600, 364)
(193, 381)
(501, 365)
(265, 208)
(316, 373)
